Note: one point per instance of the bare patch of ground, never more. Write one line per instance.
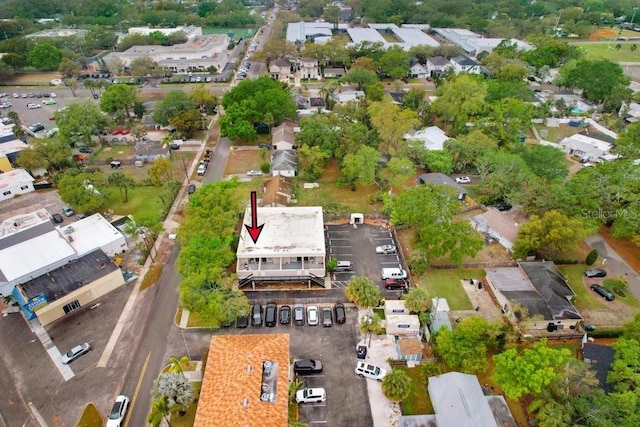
(31, 78)
(241, 161)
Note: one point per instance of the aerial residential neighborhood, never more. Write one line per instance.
(301, 212)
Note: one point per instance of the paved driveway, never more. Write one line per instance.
(347, 399)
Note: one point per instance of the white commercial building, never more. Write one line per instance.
(198, 53)
(290, 247)
(30, 245)
(15, 182)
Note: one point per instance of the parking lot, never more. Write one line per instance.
(29, 116)
(358, 245)
(347, 401)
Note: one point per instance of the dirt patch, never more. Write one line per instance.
(240, 161)
(628, 250)
(31, 79)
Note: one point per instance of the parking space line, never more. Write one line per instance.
(317, 422)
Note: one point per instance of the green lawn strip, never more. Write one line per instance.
(237, 32)
(628, 297)
(143, 202)
(91, 417)
(336, 199)
(189, 417)
(584, 299)
(445, 283)
(608, 51)
(418, 402)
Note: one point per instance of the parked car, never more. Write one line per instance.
(341, 315)
(271, 315)
(118, 411)
(395, 283)
(36, 127)
(191, 189)
(33, 106)
(298, 314)
(603, 292)
(595, 272)
(312, 315)
(174, 146)
(202, 169)
(242, 321)
(87, 150)
(307, 366)
(256, 315)
(503, 206)
(76, 352)
(57, 218)
(463, 180)
(264, 145)
(366, 370)
(386, 249)
(67, 211)
(285, 315)
(49, 102)
(311, 395)
(327, 317)
(254, 173)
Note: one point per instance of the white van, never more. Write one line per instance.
(343, 266)
(373, 372)
(393, 273)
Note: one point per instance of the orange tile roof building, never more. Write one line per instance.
(236, 378)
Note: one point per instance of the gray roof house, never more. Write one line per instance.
(283, 162)
(459, 400)
(149, 150)
(540, 288)
(436, 65)
(464, 64)
(599, 358)
(442, 179)
(497, 225)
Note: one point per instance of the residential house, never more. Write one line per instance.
(439, 315)
(436, 65)
(280, 69)
(585, 147)
(302, 101)
(432, 137)
(417, 70)
(277, 191)
(148, 151)
(291, 246)
(309, 69)
(496, 225)
(442, 179)
(459, 400)
(334, 73)
(15, 182)
(258, 394)
(283, 136)
(599, 358)
(541, 289)
(284, 162)
(464, 64)
(395, 306)
(397, 97)
(348, 96)
(409, 349)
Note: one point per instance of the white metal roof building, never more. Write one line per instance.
(15, 182)
(30, 246)
(291, 244)
(432, 137)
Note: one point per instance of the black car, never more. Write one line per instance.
(256, 315)
(361, 352)
(595, 272)
(307, 366)
(86, 150)
(298, 314)
(191, 189)
(603, 292)
(285, 315)
(271, 315)
(242, 321)
(327, 317)
(57, 218)
(341, 315)
(174, 146)
(503, 206)
(264, 145)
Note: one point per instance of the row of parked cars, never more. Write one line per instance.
(313, 315)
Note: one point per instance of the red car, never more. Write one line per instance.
(120, 131)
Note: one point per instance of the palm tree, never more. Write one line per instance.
(177, 364)
(396, 385)
(175, 389)
(294, 386)
(160, 410)
(123, 182)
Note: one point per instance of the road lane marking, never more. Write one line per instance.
(135, 393)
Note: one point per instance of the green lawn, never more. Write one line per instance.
(446, 284)
(236, 32)
(143, 203)
(584, 298)
(608, 51)
(418, 402)
(91, 417)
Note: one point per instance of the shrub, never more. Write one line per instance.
(152, 276)
(591, 257)
(418, 264)
(265, 167)
(331, 264)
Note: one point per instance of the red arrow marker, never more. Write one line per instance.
(254, 229)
